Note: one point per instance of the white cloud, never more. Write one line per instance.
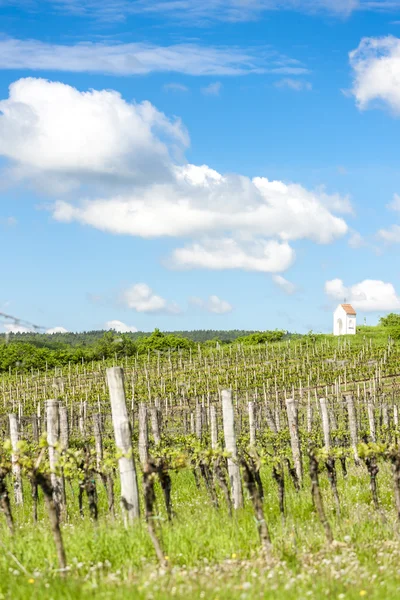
(367, 296)
(120, 327)
(356, 240)
(391, 235)
(202, 202)
(96, 143)
(213, 89)
(263, 256)
(140, 297)
(376, 66)
(213, 305)
(141, 58)
(286, 286)
(395, 203)
(52, 127)
(294, 84)
(57, 330)
(175, 87)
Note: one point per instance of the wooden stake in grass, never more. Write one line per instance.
(123, 441)
(53, 438)
(230, 445)
(106, 478)
(16, 468)
(252, 424)
(353, 427)
(316, 495)
(143, 435)
(213, 428)
(325, 423)
(293, 421)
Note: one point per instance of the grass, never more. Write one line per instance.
(211, 555)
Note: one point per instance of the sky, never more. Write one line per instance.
(224, 164)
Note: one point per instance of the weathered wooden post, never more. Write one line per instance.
(252, 424)
(230, 445)
(353, 427)
(98, 441)
(325, 423)
(293, 421)
(199, 421)
(155, 425)
(16, 468)
(143, 435)
(64, 427)
(213, 427)
(53, 439)
(123, 441)
(371, 419)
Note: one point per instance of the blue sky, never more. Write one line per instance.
(185, 165)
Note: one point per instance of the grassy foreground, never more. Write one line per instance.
(211, 555)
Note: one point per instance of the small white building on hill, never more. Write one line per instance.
(344, 320)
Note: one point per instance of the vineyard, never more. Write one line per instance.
(229, 472)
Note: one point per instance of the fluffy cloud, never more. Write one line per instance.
(120, 327)
(213, 305)
(376, 66)
(57, 330)
(286, 286)
(140, 297)
(367, 296)
(264, 256)
(53, 128)
(67, 140)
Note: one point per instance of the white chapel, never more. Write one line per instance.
(344, 320)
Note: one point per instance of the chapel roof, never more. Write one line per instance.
(349, 310)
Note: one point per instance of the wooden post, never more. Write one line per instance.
(53, 438)
(293, 421)
(230, 445)
(371, 419)
(309, 414)
(143, 435)
(16, 468)
(325, 423)
(214, 428)
(353, 426)
(64, 428)
(98, 441)
(155, 424)
(252, 424)
(123, 441)
(199, 421)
